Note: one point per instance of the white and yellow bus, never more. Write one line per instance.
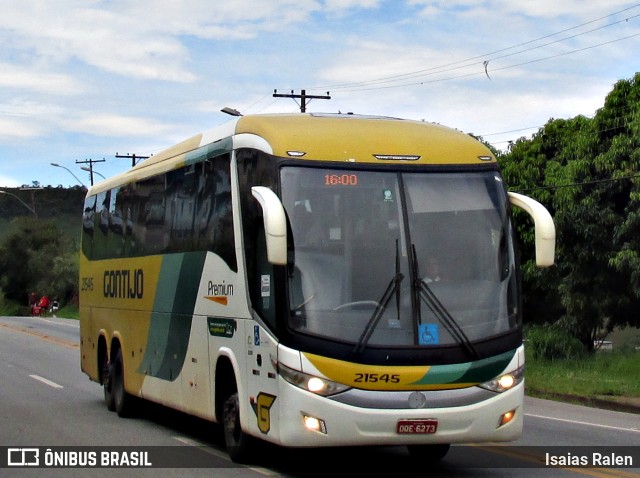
(313, 280)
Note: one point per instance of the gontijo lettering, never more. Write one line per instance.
(124, 284)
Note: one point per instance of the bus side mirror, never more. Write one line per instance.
(275, 224)
(545, 230)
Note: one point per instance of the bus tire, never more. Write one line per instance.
(106, 384)
(238, 443)
(123, 402)
(428, 453)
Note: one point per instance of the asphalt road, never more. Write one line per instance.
(46, 401)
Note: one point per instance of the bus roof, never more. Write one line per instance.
(327, 137)
(364, 139)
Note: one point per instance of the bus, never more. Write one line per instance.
(313, 280)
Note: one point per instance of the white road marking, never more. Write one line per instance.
(207, 449)
(597, 425)
(45, 381)
(57, 322)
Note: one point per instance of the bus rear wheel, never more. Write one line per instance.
(106, 384)
(428, 453)
(122, 401)
(237, 441)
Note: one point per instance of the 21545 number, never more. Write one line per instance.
(377, 377)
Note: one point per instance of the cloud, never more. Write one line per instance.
(550, 9)
(7, 182)
(146, 39)
(19, 129)
(57, 33)
(117, 125)
(35, 79)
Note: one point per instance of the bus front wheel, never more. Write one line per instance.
(237, 441)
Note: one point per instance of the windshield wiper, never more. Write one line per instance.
(372, 323)
(425, 293)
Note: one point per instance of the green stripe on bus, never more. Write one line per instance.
(469, 372)
(170, 326)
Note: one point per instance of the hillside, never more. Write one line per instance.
(60, 205)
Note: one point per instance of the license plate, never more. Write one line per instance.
(416, 427)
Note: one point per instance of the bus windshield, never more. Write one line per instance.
(388, 258)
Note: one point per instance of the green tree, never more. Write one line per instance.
(583, 170)
(37, 257)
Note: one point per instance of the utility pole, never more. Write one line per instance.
(133, 157)
(303, 96)
(90, 163)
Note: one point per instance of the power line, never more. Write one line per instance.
(482, 72)
(584, 183)
(368, 84)
(620, 115)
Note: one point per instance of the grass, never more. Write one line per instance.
(10, 309)
(603, 374)
(69, 312)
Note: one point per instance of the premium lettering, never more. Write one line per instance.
(220, 289)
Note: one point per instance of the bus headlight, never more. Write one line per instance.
(505, 381)
(311, 383)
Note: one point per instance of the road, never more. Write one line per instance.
(46, 401)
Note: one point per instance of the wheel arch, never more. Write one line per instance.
(227, 377)
(103, 352)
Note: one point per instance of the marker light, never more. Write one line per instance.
(311, 383)
(296, 154)
(396, 157)
(506, 418)
(505, 382)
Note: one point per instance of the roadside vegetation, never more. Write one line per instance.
(586, 171)
(603, 375)
(558, 367)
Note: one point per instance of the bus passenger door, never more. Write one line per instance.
(262, 346)
(262, 381)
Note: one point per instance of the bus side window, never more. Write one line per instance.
(115, 239)
(88, 218)
(213, 223)
(151, 218)
(101, 226)
(180, 198)
(123, 206)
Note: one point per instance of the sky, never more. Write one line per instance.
(88, 80)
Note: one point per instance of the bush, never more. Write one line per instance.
(9, 308)
(553, 343)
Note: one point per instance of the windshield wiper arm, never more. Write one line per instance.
(439, 310)
(372, 323)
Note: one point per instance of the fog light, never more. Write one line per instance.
(315, 424)
(506, 418)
